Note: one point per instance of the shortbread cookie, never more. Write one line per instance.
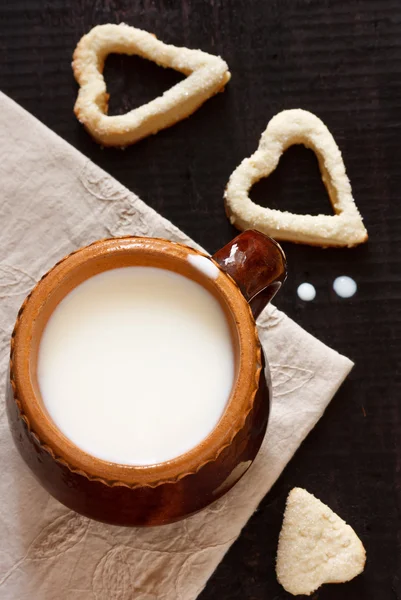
(344, 228)
(206, 75)
(315, 546)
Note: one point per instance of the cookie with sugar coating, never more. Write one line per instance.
(206, 75)
(297, 126)
(315, 546)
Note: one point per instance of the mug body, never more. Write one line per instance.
(127, 494)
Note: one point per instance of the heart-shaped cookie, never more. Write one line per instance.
(315, 546)
(344, 228)
(207, 75)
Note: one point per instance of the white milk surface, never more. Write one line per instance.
(136, 365)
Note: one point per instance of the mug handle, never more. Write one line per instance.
(257, 264)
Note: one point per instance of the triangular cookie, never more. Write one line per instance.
(315, 546)
(207, 75)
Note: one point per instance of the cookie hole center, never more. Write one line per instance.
(132, 81)
(295, 185)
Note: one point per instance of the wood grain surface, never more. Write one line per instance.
(338, 59)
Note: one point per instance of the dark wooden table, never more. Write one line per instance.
(341, 60)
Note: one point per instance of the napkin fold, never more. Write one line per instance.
(53, 200)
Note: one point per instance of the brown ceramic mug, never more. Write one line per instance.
(251, 270)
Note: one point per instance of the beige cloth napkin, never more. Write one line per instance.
(54, 200)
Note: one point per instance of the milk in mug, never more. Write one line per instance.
(136, 365)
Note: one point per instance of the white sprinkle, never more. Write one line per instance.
(344, 286)
(306, 292)
(204, 265)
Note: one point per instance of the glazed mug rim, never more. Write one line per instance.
(114, 251)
